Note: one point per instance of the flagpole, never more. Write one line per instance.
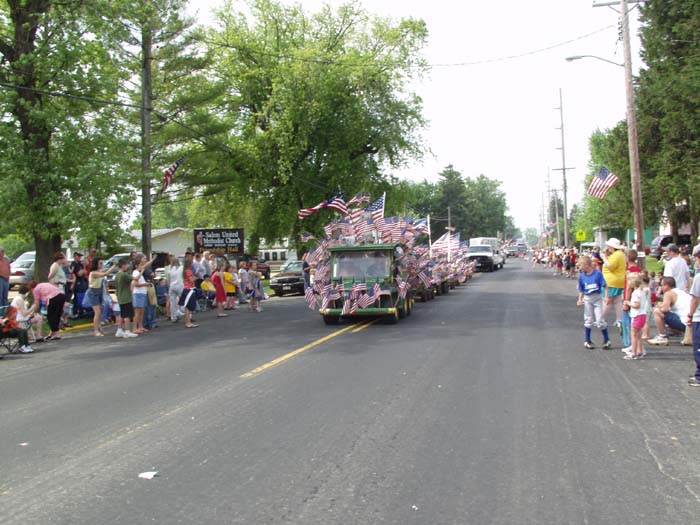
(449, 235)
(430, 242)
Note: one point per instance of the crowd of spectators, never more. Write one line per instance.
(142, 295)
(611, 283)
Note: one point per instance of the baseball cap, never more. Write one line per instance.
(672, 248)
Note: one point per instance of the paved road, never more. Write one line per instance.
(483, 407)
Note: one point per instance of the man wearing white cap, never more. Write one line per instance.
(614, 271)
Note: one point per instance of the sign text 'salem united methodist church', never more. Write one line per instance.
(219, 240)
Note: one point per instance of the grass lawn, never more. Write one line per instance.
(653, 265)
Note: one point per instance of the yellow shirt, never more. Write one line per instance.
(614, 272)
(208, 286)
(228, 283)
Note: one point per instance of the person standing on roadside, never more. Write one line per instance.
(693, 319)
(88, 260)
(614, 270)
(306, 270)
(80, 284)
(219, 279)
(591, 285)
(4, 277)
(122, 283)
(188, 299)
(56, 274)
(243, 279)
(95, 292)
(626, 324)
(175, 288)
(140, 292)
(677, 268)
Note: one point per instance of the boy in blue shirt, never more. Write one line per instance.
(591, 284)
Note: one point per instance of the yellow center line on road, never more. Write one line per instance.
(363, 326)
(298, 351)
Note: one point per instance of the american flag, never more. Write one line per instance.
(306, 237)
(425, 279)
(321, 272)
(360, 198)
(377, 288)
(376, 209)
(346, 306)
(169, 173)
(601, 182)
(366, 300)
(450, 240)
(364, 227)
(310, 297)
(355, 215)
(402, 287)
(337, 203)
(357, 288)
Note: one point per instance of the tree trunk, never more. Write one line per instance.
(36, 131)
(693, 219)
(45, 247)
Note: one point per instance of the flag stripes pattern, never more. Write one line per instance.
(602, 182)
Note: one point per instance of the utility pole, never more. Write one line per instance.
(563, 169)
(632, 143)
(556, 207)
(146, 109)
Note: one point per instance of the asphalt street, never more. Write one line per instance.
(481, 407)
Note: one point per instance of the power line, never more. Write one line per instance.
(94, 100)
(328, 61)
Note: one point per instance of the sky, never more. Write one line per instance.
(499, 116)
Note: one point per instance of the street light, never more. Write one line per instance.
(632, 143)
(578, 57)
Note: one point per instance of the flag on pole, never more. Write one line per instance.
(358, 199)
(169, 173)
(602, 182)
(376, 209)
(337, 202)
(310, 297)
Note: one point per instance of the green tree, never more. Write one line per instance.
(316, 103)
(486, 205)
(59, 163)
(669, 109)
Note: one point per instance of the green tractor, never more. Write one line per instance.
(363, 282)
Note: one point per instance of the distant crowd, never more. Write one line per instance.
(611, 280)
(141, 295)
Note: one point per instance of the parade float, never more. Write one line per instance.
(367, 264)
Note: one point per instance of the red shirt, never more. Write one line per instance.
(5, 268)
(188, 279)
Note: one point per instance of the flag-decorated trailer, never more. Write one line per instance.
(365, 280)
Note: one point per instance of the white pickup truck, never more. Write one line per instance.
(486, 258)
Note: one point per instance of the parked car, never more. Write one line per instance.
(659, 244)
(114, 259)
(289, 280)
(22, 269)
(512, 251)
(485, 258)
(263, 267)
